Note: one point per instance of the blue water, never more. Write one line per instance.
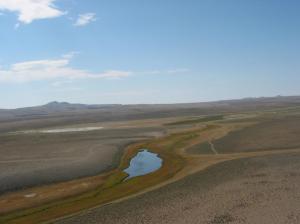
(143, 163)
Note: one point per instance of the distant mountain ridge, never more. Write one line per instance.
(56, 105)
(64, 113)
(65, 105)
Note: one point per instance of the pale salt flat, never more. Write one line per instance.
(31, 195)
(60, 130)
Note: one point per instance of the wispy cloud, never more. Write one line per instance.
(61, 83)
(53, 69)
(59, 71)
(70, 55)
(167, 71)
(17, 25)
(30, 10)
(85, 19)
(179, 70)
(130, 93)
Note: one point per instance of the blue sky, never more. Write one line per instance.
(141, 51)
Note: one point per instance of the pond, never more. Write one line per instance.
(143, 163)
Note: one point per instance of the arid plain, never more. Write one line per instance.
(223, 162)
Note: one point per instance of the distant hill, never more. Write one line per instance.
(64, 106)
(49, 109)
(59, 113)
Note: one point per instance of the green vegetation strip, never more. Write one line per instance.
(197, 120)
(114, 187)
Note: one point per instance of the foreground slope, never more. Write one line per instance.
(256, 190)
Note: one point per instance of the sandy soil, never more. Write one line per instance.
(276, 133)
(255, 190)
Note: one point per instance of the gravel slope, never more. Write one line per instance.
(256, 190)
(38, 159)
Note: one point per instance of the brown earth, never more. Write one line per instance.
(29, 160)
(252, 190)
(276, 133)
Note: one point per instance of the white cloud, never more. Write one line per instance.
(84, 19)
(30, 10)
(56, 69)
(60, 72)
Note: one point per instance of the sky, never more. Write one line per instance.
(141, 51)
